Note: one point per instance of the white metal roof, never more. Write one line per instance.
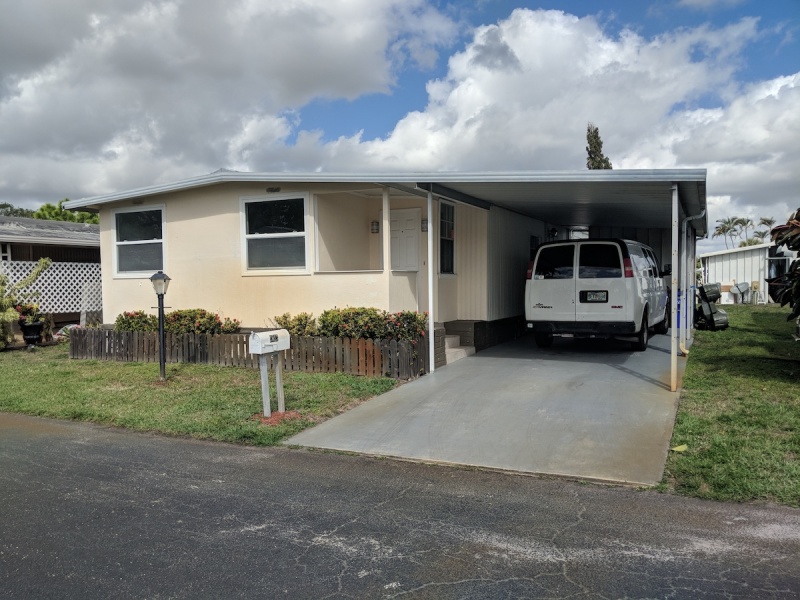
(735, 250)
(39, 231)
(635, 198)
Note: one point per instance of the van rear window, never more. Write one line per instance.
(599, 261)
(555, 262)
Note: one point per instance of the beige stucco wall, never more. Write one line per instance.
(203, 256)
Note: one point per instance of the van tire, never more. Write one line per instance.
(640, 345)
(663, 327)
(543, 340)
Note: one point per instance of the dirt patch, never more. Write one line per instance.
(277, 417)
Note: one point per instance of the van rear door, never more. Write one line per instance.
(601, 292)
(550, 294)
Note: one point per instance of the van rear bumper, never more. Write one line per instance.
(583, 327)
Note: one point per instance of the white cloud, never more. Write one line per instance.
(127, 93)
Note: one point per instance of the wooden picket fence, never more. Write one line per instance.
(392, 358)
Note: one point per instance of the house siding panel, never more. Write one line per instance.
(508, 256)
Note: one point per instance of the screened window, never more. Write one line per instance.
(447, 224)
(599, 261)
(5, 252)
(139, 240)
(555, 262)
(275, 233)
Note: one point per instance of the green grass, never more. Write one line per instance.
(199, 401)
(739, 412)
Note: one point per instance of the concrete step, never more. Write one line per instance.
(452, 341)
(457, 353)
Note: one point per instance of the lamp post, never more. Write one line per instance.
(160, 283)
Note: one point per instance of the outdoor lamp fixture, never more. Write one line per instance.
(160, 283)
(553, 233)
(424, 225)
(374, 227)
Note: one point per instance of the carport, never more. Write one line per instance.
(665, 208)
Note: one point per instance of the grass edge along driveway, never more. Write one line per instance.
(739, 412)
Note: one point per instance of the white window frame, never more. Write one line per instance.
(439, 234)
(5, 251)
(308, 226)
(115, 244)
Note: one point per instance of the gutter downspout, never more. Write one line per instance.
(432, 226)
(685, 282)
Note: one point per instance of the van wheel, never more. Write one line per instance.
(663, 327)
(543, 340)
(640, 345)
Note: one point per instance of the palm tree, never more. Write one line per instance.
(726, 227)
(767, 222)
(743, 224)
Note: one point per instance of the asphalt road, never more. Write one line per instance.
(96, 512)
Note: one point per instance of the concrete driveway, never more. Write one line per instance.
(583, 408)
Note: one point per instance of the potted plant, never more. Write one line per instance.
(31, 321)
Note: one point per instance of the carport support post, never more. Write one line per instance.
(432, 226)
(673, 385)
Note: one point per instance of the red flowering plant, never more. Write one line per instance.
(29, 313)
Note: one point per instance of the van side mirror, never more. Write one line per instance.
(667, 271)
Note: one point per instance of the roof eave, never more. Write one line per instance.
(223, 176)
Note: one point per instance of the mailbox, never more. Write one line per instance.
(264, 342)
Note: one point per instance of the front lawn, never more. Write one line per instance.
(739, 412)
(200, 401)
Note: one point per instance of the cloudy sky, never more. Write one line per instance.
(106, 95)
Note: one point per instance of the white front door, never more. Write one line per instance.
(404, 246)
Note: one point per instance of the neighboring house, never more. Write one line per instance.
(255, 245)
(750, 265)
(72, 283)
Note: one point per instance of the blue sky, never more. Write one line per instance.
(98, 96)
(774, 54)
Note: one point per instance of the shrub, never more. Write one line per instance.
(362, 322)
(136, 320)
(406, 325)
(355, 323)
(198, 320)
(192, 320)
(302, 324)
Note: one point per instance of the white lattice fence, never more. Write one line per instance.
(63, 287)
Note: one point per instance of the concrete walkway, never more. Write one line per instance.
(586, 409)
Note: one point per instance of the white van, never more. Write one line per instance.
(596, 288)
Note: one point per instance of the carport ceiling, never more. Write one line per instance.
(586, 198)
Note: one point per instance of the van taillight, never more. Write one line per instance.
(626, 262)
(529, 274)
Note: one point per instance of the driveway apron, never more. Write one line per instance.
(583, 408)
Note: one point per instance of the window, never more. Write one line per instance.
(275, 233)
(139, 241)
(555, 262)
(447, 224)
(5, 251)
(599, 260)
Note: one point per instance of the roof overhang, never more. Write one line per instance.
(636, 198)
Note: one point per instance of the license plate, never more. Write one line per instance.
(597, 296)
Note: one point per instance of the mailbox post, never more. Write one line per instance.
(265, 343)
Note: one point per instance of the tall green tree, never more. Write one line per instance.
(9, 210)
(595, 159)
(52, 212)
